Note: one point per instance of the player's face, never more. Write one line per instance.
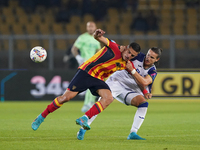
(151, 58)
(91, 27)
(129, 53)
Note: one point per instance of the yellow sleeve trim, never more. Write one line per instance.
(108, 41)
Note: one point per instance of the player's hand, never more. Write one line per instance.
(98, 33)
(79, 59)
(148, 95)
(130, 66)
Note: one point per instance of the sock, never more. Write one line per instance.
(89, 98)
(91, 119)
(94, 110)
(139, 117)
(51, 107)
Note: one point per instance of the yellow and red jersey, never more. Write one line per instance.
(104, 62)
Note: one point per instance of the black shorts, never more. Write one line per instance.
(83, 81)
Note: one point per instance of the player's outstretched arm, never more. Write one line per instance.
(98, 35)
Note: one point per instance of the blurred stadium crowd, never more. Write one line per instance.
(120, 17)
(152, 17)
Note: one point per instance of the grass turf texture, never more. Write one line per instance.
(169, 125)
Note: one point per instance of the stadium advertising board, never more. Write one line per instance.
(34, 85)
(177, 84)
(46, 85)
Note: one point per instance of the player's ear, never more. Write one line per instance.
(122, 48)
(157, 59)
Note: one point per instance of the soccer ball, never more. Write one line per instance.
(38, 54)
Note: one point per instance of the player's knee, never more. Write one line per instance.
(110, 99)
(62, 99)
(143, 104)
(136, 101)
(107, 100)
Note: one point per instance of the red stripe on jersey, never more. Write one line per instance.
(105, 74)
(103, 69)
(104, 62)
(84, 65)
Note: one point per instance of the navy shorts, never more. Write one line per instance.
(83, 81)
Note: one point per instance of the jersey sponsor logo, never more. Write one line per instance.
(153, 74)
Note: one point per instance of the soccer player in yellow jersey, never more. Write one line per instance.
(91, 75)
(87, 46)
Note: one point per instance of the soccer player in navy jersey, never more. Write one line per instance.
(131, 87)
(91, 75)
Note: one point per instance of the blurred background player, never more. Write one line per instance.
(131, 87)
(83, 49)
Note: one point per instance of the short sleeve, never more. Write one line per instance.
(112, 44)
(152, 73)
(78, 43)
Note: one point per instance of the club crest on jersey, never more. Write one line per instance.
(74, 87)
(118, 66)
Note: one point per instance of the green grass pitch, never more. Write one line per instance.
(170, 124)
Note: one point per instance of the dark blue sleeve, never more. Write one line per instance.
(152, 73)
(140, 57)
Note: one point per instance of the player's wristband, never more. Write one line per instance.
(133, 71)
(144, 91)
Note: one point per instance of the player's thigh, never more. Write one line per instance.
(115, 87)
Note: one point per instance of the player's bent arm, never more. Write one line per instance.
(144, 90)
(74, 51)
(143, 81)
(98, 35)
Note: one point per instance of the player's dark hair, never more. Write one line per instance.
(135, 46)
(157, 51)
